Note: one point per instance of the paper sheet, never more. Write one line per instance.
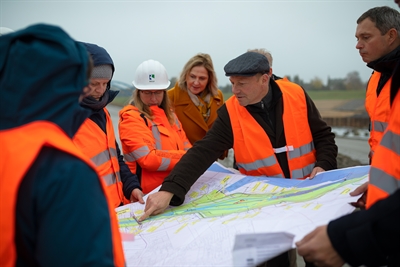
(222, 205)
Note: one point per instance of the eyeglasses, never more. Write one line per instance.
(149, 93)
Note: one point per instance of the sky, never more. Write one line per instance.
(306, 38)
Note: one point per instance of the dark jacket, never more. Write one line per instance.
(369, 237)
(220, 138)
(395, 86)
(385, 65)
(129, 180)
(61, 211)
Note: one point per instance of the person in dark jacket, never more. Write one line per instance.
(378, 42)
(368, 237)
(96, 136)
(54, 208)
(267, 110)
(256, 130)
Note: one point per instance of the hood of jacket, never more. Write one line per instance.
(42, 74)
(100, 56)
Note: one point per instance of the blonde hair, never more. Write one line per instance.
(143, 108)
(264, 52)
(200, 60)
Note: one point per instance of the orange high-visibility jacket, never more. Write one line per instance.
(15, 141)
(101, 149)
(384, 176)
(155, 145)
(253, 150)
(378, 108)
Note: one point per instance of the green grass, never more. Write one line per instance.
(327, 95)
(315, 95)
(336, 94)
(120, 101)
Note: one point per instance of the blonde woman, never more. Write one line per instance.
(196, 98)
(152, 137)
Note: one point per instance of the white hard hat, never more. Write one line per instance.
(151, 75)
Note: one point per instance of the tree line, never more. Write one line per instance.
(352, 81)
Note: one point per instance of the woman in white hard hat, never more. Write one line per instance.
(196, 98)
(152, 137)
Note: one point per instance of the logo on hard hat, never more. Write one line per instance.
(152, 77)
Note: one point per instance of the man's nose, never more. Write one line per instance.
(234, 89)
(359, 45)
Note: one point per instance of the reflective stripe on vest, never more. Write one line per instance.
(384, 181)
(258, 164)
(104, 157)
(35, 136)
(101, 149)
(384, 178)
(255, 154)
(303, 172)
(144, 150)
(304, 149)
(379, 126)
(186, 143)
(156, 135)
(391, 141)
(379, 178)
(112, 178)
(137, 154)
(378, 108)
(156, 145)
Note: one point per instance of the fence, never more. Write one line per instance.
(354, 122)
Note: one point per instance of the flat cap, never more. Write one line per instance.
(247, 64)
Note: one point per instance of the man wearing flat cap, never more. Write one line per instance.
(273, 127)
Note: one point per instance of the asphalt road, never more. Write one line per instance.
(354, 148)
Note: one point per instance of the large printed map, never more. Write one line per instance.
(221, 204)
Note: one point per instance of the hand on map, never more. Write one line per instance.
(156, 203)
(315, 171)
(362, 189)
(317, 248)
(137, 195)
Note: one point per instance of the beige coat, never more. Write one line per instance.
(192, 121)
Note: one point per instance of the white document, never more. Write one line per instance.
(222, 205)
(252, 249)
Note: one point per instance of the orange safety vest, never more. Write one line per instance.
(155, 145)
(384, 176)
(15, 163)
(378, 108)
(253, 150)
(101, 149)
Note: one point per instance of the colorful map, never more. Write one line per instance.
(222, 204)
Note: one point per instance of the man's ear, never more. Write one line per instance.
(393, 35)
(265, 78)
